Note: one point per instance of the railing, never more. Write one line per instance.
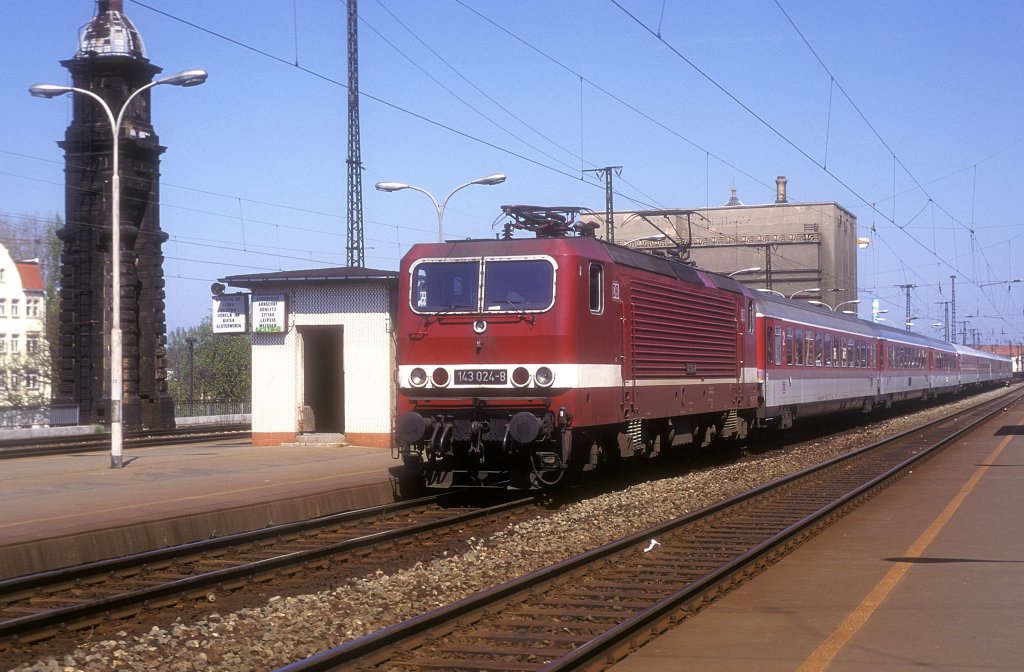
(60, 415)
(54, 415)
(185, 409)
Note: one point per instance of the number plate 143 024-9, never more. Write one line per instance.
(481, 376)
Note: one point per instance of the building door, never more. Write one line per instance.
(324, 376)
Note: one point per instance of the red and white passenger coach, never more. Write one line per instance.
(524, 362)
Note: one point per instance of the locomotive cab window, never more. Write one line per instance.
(596, 289)
(449, 286)
(518, 284)
(502, 285)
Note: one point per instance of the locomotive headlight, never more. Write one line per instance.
(440, 376)
(520, 376)
(544, 376)
(418, 377)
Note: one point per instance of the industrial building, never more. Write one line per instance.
(804, 249)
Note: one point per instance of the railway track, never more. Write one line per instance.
(592, 609)
(84, 443)
(38, 606)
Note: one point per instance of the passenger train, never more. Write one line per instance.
(523, 362)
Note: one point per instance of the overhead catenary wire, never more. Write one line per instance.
(581, 79)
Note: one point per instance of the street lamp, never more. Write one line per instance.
(497, 178)
(191, 340)
(752, 269)
(1000, 282)
(799, 291)
(809, 289)
(837, 307)
(184, 78)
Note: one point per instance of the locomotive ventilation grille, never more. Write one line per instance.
(679, 333)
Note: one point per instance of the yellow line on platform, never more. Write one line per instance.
(822, 657)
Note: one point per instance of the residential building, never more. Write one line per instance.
(24, 355)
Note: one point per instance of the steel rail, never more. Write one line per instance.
(19, 628)
(583, 655)
(586, 655)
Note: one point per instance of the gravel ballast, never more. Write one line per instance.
(287, 629)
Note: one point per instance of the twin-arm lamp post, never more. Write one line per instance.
(497, 178)
(184, 78)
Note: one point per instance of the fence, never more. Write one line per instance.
(55, 415)
(60, 415)
(185, 409)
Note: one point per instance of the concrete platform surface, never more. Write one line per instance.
(929, 575)
(62, 510)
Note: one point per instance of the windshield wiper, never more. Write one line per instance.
(515, 307)
(438, 315)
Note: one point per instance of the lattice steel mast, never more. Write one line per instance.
(609, 218)
(355, 256)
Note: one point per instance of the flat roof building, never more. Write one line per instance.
(329, 368)
(804, 248)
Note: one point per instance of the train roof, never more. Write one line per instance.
(983, 354)
(769, 305)
(625, 256)
(796, 311)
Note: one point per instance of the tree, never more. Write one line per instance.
(25, 378)
(222, 364)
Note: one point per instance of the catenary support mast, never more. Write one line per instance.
(355, 256)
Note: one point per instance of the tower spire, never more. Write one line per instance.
(110, 33)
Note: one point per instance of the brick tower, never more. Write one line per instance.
(111, 62)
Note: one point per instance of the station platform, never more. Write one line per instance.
(928, 575)
(57, 511)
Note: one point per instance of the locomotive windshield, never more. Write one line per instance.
(483, 285)
(519, 284)
(446, 286)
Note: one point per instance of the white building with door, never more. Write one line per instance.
(323, 354)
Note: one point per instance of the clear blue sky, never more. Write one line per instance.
(920, 133)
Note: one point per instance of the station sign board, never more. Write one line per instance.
(229, 314)
(269, 315)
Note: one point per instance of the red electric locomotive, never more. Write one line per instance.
(523, 362)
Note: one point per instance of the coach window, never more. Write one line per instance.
(828, 350)
(750, 316)
(778, 346)
(819, 349)
(798, 347)
(596, 289)
(790, 346)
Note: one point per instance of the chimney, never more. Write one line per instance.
(780, 189)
